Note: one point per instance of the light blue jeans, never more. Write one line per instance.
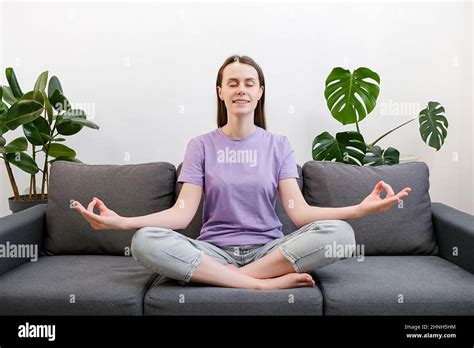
(176, 256)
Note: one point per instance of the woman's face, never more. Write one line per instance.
(240, 88)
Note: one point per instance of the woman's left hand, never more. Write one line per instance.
(374, 204)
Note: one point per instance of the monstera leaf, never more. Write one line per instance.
(376, 156)
(433, 125)
(346, 147)
(350, 97)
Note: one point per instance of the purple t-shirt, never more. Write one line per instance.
(240, 179)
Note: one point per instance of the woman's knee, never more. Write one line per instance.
(143, 239)
(344, 229)
(341, 234)
(164, 251)
(344, 237)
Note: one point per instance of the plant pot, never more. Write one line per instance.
(25, 202)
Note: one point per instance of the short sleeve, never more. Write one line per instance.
(192, 169)
(288, 167)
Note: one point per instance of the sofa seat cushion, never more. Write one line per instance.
(167, 297)
(75, 285)
(405, 229)
(396, 285)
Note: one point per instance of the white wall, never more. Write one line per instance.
(136, 66)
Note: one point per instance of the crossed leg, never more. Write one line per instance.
(212, 272)
(273, 264)
(306, 247)
(158, 249)
(176, 256)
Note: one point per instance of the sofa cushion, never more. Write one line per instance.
(129, 190)
(194, 228)
(167, 297)
(404, 229)
(396, 285)
(75, 285)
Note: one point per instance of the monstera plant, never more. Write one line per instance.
(43, 116)
(351, 96)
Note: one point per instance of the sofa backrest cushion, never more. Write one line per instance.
(194, 228)
(129, 190)
(405, 229)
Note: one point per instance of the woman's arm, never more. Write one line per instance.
(172, 218)
(301, 213)
(177, 217)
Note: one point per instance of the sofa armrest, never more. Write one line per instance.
(21, 236)
(455, 235)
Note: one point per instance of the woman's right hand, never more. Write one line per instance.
(107, 220)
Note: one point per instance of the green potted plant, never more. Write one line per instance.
(350, 97)
(45, 114)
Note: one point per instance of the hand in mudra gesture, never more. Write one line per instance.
(107, 218)
(373, 203)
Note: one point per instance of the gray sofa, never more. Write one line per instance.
(416, 259)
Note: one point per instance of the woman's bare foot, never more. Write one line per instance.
(287, 281)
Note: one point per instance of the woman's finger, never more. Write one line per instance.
(388, 188)
(401, 195)
(102, 207)
(378, 188)
(407, 191)
(85, 216)
(91, 206)
(78, 206)
(388, 202)
(94, 217)
(91, 218)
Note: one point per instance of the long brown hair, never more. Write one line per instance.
(259, 113)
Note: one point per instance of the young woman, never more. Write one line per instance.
(240, 167)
